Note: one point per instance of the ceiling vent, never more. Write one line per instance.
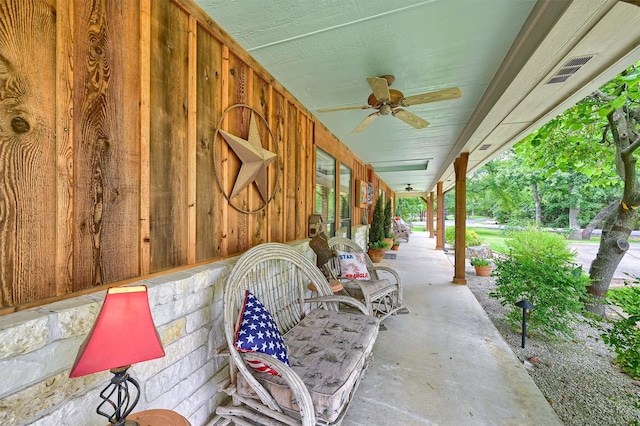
(484, 147)
(401, 167)
(569, 68)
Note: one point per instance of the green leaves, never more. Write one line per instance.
(624, 335)
(540, 271)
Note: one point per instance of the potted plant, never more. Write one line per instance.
(376, 233)
(376, 251)
(396, 244)
(483, 266)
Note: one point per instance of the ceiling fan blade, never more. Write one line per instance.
(364, 123)
(380, 88)
(410, 118)
(441, 95)
(344, 108)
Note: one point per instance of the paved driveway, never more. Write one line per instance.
(630, 262)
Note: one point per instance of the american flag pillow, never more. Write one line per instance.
(353, 265)
(257, 332)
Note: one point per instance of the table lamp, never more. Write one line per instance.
(123, 334)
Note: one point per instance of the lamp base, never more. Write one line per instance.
(117, 398)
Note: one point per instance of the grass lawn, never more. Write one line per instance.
(493, 237)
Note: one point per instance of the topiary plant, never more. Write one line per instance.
(388, 233)
(376, 231)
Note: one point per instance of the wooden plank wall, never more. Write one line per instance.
(107, 155)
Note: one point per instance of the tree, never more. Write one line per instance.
(376, 231)
(502, 189)
(599, 138)
(410, 207)
(388, 233)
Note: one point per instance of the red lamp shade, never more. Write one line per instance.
(123, 334)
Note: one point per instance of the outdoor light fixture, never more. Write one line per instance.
(123, 334)
(524, 305)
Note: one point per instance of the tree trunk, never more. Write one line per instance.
(588, 230)
(618, 225)
(538, 201)
(613, 246)
(574, 226)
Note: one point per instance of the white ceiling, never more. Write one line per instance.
(500, 53)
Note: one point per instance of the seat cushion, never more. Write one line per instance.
(329, 351)
(376, 288)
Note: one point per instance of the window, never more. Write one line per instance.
(326, 190)
(345, 201)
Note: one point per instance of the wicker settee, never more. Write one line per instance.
(328, 349)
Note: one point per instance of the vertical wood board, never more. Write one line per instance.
(27, 152)
(237, 123)
(291, 170)
(168, 151)
(208, 83)
(106, 143)
(276, 209)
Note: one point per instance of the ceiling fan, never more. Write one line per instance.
(387, 101)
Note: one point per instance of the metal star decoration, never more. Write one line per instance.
(255, 160)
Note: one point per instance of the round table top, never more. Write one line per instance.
(336, 286)
(159, 417)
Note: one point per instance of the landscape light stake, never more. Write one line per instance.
(524, 305)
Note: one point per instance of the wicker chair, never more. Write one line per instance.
(400, 231)
(382, 294)
(328, 349)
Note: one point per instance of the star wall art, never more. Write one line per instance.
(255, 160)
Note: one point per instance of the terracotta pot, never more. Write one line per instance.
(388, 242)
(395, 247)
(483, 271)
(376, 254)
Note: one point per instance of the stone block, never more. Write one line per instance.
(75, 317)
(23, 332)
(26, 370)
(25, 405)
(479, 251)
(174, 374)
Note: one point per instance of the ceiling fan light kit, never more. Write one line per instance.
(387, 101)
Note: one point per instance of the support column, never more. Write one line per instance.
(430, 215)
(440, 219)
(460, 167)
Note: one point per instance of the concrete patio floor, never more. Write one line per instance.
(444, 363)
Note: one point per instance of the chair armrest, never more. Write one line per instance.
(389, 270)
(347, 300)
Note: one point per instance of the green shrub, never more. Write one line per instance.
(624, 335)
(624, 338)
(472, 238)
(533, 243)
(539, 270)
(628, 298)
(376, 231)
(388, 232)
